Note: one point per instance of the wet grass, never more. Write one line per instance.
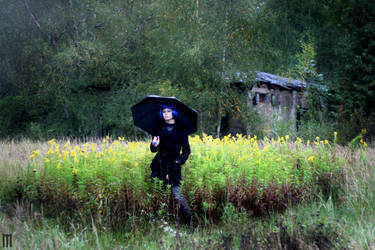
(342, 221)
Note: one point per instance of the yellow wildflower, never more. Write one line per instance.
(74, 171)
(52, 141)
(58, 166)
(311, 158)
(363, 131)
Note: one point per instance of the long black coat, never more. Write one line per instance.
(169, 151)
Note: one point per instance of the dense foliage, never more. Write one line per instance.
(74, 68)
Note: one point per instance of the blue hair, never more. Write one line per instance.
(174, 111)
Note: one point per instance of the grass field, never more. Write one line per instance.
(244, 193)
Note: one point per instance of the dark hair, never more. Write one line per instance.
(174, 111)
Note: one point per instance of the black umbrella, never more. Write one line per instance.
(146, 114)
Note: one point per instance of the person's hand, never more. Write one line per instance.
(155, 141)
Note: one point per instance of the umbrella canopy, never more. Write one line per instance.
(146, 114)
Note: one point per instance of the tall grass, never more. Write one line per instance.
(110, 180)
(325, 222)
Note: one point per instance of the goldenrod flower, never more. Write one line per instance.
(52, 141)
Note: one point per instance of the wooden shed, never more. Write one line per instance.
(273, 97)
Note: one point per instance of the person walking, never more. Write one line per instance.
(172, 146)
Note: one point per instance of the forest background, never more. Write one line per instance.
(74, 68)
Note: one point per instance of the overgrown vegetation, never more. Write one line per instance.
(331, 216)
(110, 181)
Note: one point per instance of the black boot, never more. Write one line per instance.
(184, 209)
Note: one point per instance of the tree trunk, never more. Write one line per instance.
(197, 11)
(218, 123)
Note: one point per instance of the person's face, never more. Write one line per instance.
(167, 114)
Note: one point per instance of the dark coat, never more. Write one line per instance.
(169, 151)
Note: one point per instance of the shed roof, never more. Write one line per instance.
(270, 79)
(283, 82)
